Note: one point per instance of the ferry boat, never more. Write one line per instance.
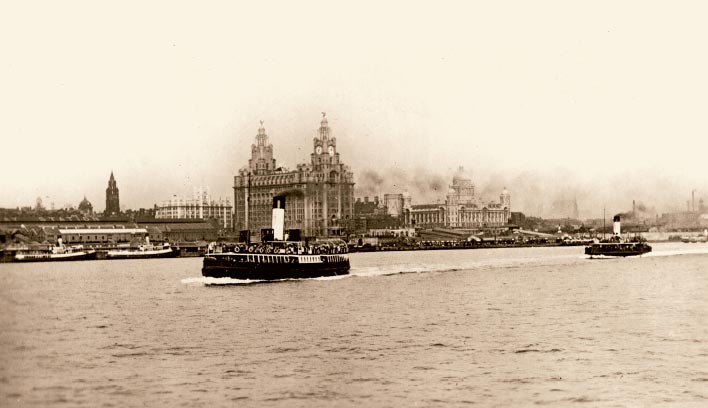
(277, 258)
(616, 246)
(144, 251)
(60, 252)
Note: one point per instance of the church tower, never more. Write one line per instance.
(112, 200)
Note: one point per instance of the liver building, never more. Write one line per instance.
(319, 194)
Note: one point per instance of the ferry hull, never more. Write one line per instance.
(276, 267)
(617, 250)
(142, 255)
(80, 256)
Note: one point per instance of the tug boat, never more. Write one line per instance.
(144, 251)
(60, 252)
(277, 258)
(616, 245)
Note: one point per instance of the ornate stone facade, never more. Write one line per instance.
(462, 209)
(319, 195)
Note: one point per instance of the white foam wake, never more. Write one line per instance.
(688, 249)
(203, 280)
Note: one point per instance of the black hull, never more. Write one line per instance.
(136, 255)
(79, 257)
(617, 250)
(274, 267)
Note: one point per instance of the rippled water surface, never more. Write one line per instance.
(492, 327)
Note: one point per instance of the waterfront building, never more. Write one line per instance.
(181, 231)
(112, 198)
(101, 235)
(391, 232)
(95, 232)
(393, 204)
(201, 206)
(462, 209)
(319, 194)
(368, 207)
(376, 214)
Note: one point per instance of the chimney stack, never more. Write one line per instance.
(278, 218)
(616, 229)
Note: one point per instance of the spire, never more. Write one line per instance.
(112, 197)
(112, 181)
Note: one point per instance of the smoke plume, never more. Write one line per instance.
(423, 185)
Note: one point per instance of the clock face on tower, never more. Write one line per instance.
(331, 150)
(318, 149)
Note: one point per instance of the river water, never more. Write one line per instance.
(484, 327)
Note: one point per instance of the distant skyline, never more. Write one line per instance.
(604, 102)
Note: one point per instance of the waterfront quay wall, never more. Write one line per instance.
(442, 245)
(670, 236)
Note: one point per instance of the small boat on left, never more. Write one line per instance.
(60, 252)
(146, 250)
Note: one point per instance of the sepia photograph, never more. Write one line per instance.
(353, 204)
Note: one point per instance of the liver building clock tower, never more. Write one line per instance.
(325, 154)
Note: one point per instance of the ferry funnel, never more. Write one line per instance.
(278, 217)
(616, 229)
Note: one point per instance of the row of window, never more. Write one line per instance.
(102, 237)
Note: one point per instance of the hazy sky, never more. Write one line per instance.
(603, 101)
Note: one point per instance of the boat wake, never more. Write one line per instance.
(408, 268)
(686, 250)
(479, 264)
(203, 280)
(207, 281)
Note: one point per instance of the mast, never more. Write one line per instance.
(603, 222)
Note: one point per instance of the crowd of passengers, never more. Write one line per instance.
(313, 248)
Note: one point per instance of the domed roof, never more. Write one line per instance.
(459, 174)
(505, 191)
(85, 204)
